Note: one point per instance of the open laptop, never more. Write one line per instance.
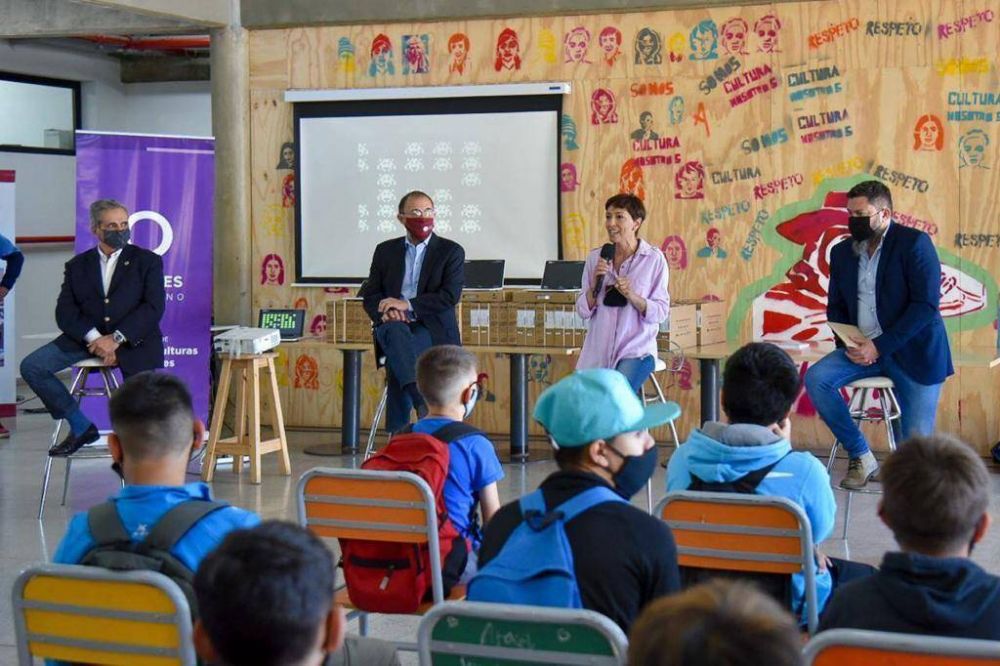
(562, 276)
(484, 274)
(288, 322)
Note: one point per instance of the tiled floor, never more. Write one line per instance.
(24, 540)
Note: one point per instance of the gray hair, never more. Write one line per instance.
(101, 206)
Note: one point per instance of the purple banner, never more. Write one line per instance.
(167, 184)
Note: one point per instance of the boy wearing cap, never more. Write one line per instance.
(623, 558)
(759, 385)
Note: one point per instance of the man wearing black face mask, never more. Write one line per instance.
(110, 306)
(886, 280)
(623, 558)
(413, 286)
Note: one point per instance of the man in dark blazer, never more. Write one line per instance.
(110, 306)
(886, 280)
(413, 286)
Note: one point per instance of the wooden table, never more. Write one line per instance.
(710, 357)
(351, 401)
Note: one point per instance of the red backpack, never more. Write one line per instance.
(396, 577)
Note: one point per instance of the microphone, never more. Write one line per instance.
(608, 254)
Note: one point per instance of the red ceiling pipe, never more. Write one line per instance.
(152, 43)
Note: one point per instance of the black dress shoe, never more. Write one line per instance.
(74, 443)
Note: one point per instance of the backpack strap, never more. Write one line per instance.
(106, 525)
(176, 522)
(449, 432)
(532, 502)
(573, 507)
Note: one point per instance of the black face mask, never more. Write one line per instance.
(635, 471)
(860, 228)
(116, 239)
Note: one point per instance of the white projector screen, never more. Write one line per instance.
(493, 176)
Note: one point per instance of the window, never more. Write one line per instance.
(38, 115)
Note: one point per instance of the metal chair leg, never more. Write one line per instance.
(847, 514)
(673, 431)
(370, 448)
(833, 456)
(69, 464)
(649, 497)
(45, 485)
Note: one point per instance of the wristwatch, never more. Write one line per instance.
(118, 337)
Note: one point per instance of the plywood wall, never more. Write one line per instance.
(769, 130)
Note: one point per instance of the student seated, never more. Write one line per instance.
(719, 623)
(154, 432)
(936, 497)
(752, 452)
(266, 598)
(449, 381)
(622, 557)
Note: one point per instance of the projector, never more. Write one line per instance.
(245, 341)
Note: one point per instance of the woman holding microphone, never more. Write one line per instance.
(624, 295)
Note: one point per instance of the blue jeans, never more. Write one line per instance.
(401, 343)
(39, 370)
(636, 370)
(824, 380)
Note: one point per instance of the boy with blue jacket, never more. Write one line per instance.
(759, 385)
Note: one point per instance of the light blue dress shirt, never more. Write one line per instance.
(414, 262)
(867, 273)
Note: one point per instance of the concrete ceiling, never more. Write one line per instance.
(284, 13)
(66, 18)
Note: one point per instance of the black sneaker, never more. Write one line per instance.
(74, 443)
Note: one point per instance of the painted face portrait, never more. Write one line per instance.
(575, 45)
(458, 48)
(734, 36)
(928, 134)
(675, 252)
(318, 325)
(972, 149)
(287, 158)
(704, 39)
(381, 56)
(610, 41)
(648, 47)
(272, 271)
(345, 53)
(677, 44)
(416, 58)
(602, 106)
(676, 110)
(573, 227)
(631, 180)
(713, 245)
(645, 131)
(690, 181)
(547, 45)
(567, 177)
(567, 129)
(300, 304)
(767, 28)
(508, 54)
(684, 376)
(307, 373)
(288, 191)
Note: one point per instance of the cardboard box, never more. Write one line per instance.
(529, 323)
(347, 321)
(683, 324)
(710, 319)
(483, 317)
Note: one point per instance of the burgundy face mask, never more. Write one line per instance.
(419, 227)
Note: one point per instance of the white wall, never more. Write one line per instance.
(46, 184)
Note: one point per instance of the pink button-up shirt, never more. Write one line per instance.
(617, 333)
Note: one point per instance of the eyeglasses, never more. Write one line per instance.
(426, 212)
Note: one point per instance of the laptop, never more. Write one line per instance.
(562, 276)
(484, 274)
(288, 322)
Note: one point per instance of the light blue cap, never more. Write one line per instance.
(596, 404)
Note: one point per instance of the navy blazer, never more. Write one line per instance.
(439, 288)
(907, 299)
(133, 305)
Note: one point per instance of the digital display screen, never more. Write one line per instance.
(288, 322)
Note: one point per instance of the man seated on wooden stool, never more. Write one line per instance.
(110, 306)
(154, 432)
(413, 286)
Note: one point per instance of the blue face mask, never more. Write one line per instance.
(635, 471)
(116, 239)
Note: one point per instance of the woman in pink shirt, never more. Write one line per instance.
(623, 296)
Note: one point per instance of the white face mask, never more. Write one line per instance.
(470, 404)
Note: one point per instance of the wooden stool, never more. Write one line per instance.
(247, 441)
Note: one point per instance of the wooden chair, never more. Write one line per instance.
(397, 507)
(854, 647)
(247, 439)
(467, 632)
(95, 616)
(751, 534)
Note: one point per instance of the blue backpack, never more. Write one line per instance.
(535, 566)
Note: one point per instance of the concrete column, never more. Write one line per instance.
(231, 125)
